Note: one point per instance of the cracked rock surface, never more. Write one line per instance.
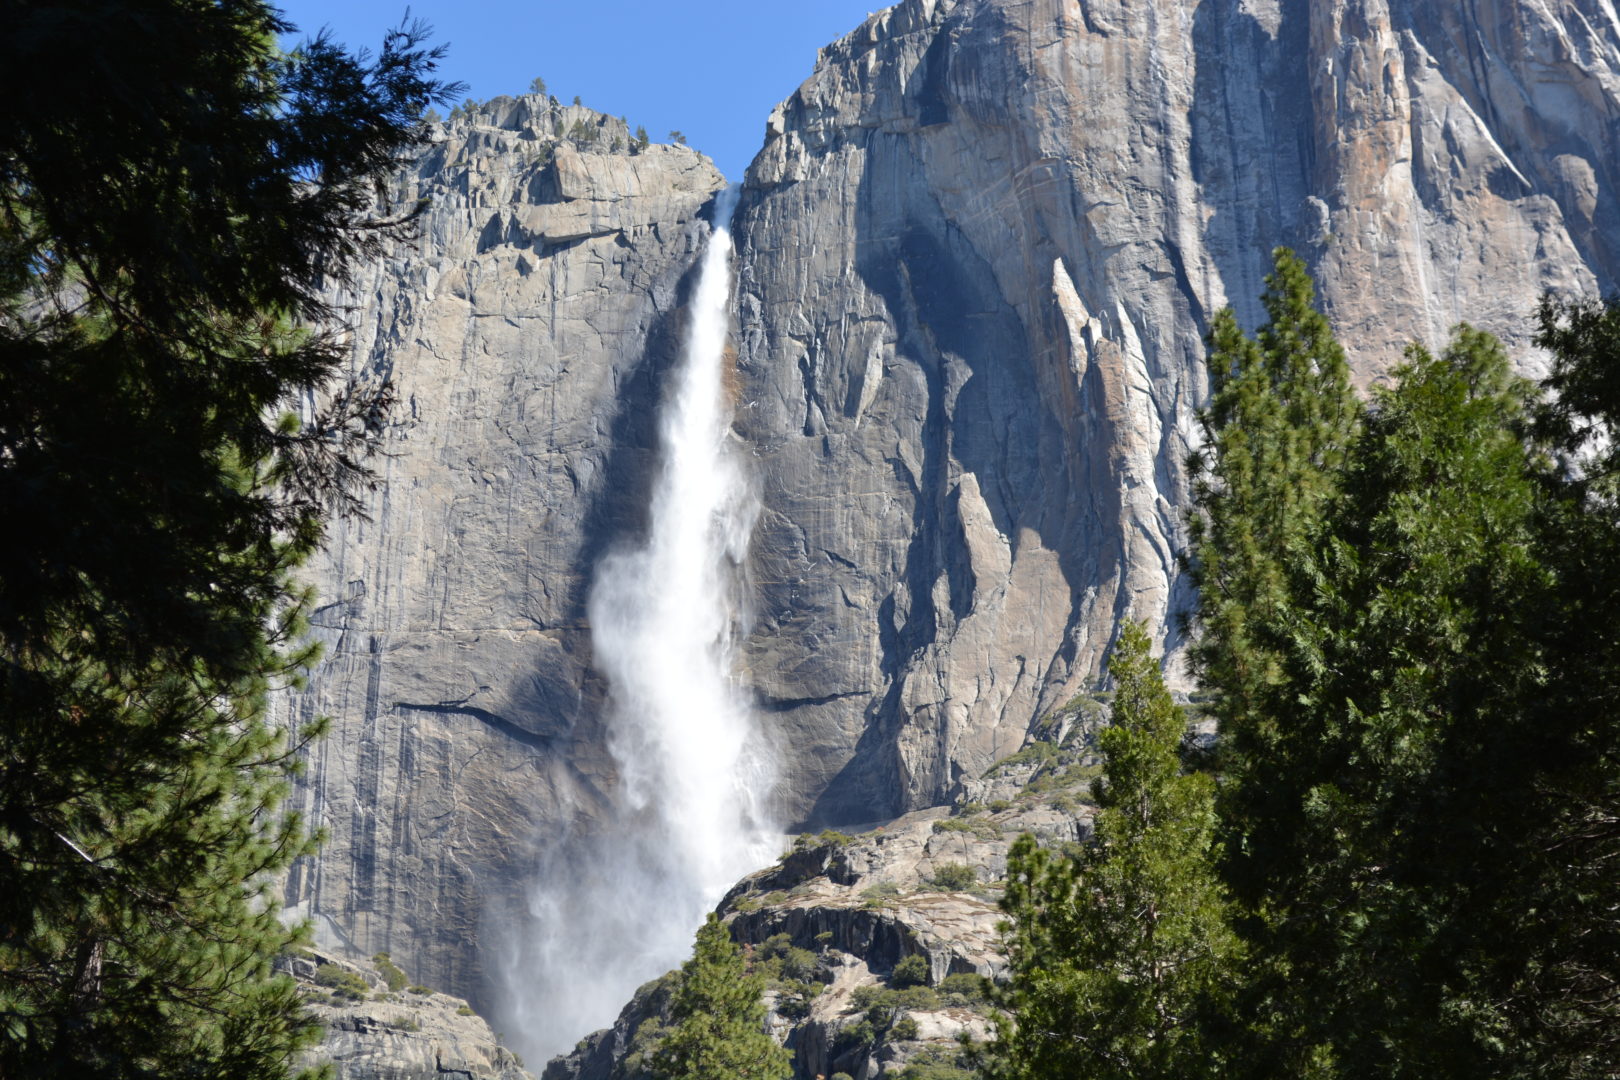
(413, 1034)
(526, 333)
(978, 255)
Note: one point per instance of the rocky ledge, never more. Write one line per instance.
(380, 1027)
(877, 945)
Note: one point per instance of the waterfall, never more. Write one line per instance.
(688, 816)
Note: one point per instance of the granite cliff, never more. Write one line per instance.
(976, 256)
(525, 333)
(978, 253)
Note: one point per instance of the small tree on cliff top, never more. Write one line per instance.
(717, 1018)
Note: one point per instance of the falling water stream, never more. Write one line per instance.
(688, 816)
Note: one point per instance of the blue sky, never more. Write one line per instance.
(711, 69)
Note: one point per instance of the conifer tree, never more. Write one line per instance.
(175, 195)
(717, 1018)
(1407, 671)
(1120, 960)
(1280, 421)
(1382, 662)
(1562, 902)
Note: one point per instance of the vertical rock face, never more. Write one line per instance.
(978, 254)
(976, 258)
(525, 332)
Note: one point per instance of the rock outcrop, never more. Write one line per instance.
(852, 910)
(876, 946)
(976, 258)
(372, 1032)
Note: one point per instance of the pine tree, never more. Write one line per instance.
(1279, 423)
(1412, 658)
(1380, 652)
(1120, 960)
(1281, 419)
(1563, 898)
(717, 1018)
(169, 219)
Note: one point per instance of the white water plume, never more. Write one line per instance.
(621, 906)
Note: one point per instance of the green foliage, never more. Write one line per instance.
(1088, 709)
(856, 1036)
(910, 996)
(963, 988)
(864, 997)
(795, 998)
(1563, 900)
(880, 894)
(920, 997)
(1117, 955)
(1036, 753)
(885, 1021)
(717, 1018)
(910, 971)
(537, 85)
(1062, 779)
(932, 1071)
(465, 1010)
(1277, 429)
(935, 1063)
(1062, 771)
(1065, 803)
(342, 982)
(420, 989)
(162, 250)
(779, 959)
(643, 1044)
(981, 828)
(1410, 646)
(392, 975)
(884, 1017)
(1410, 655)
(954, 877)
(642, 139)
(828, 838)
(677, 138)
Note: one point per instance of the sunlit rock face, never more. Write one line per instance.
(980, 249)
(975, 260)
(527, 333)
